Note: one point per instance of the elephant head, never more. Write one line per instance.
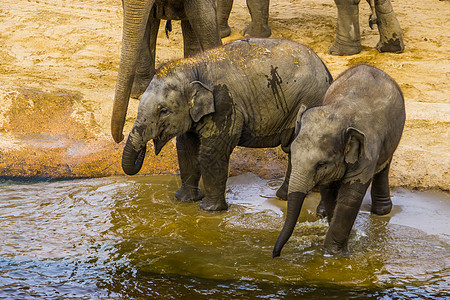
(321, 153)
(135, 18)
(168, 108)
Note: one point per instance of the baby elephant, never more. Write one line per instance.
(246, 93)
(342, 147)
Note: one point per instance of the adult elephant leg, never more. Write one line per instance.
(391, 37)
(223, 13)
(283, 190)
(259, 12)
(348, 39)
(188, 151)
(203, 22)
(146, 61)
(380, 193)
(191, 45)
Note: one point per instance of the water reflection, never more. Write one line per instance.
(126, 238)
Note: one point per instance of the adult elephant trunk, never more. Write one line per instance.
(294, 205)
(136, 13)
(131, 159)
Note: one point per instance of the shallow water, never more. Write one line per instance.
(125, 238)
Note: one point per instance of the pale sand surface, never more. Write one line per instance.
(59, 61)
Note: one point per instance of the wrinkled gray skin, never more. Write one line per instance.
(342, 147)
(348, 39)
(140, 29)
(246, 93)
(259, 13)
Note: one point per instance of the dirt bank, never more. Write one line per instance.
(59, 60)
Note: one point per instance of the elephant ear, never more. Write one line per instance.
(298, 122)
(356, 146)
(201, 102)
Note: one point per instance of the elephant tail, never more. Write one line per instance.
(168, 27)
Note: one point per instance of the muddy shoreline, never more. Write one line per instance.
(59, 61)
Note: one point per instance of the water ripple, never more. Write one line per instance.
(116, 238)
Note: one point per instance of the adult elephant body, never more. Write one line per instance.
(246, 93)
(140, 28)
(348, 39)
(342, 147)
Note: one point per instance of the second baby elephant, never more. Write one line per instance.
(246, 93)
(342, 147)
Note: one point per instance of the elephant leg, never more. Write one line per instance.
(223, 13)
(202, 27)
(146, 61)
(380, 193)
(348, 39)
(391, 37)
(348, 203)
(283, 190)
(188, 150)
(327, 204)
(214, 158)
(191, 44)
(259, 13)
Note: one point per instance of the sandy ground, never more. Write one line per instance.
(59, 61)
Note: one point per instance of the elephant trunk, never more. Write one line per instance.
(294, 205)
(136, 13)
(131, 159)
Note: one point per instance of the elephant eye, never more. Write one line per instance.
(321, 164)
(163, 111)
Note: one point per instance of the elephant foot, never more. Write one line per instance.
(320, 210)
(139, 87)
(185, 194)
(257, 31)
(283, 191)
(393, 45)
(342, 49)
(210, 205)
(381, 207)
(336, 249)
(224, 30)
